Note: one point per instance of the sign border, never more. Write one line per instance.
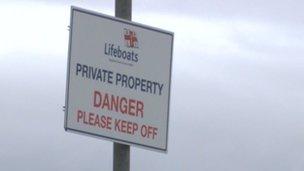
(89, 12)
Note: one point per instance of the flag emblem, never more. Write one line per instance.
(130, 38)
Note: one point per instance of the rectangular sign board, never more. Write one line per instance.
(118, 80)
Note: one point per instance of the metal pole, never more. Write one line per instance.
(121, 152)
(121, 157)
(123, 9)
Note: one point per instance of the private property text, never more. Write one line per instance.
(119, 79)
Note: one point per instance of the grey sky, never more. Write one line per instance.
(237, 94)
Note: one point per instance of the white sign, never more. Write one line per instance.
(118, 80)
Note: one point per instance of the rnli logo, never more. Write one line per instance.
(130, 38)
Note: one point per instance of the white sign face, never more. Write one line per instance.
(118, 81)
